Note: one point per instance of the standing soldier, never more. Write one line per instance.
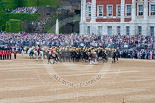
(10, 52)
(0, 53)
(15, 53)
(3, 53)
(114, 56)
(117, 54)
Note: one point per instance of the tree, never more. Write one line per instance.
(2, 20)
(9, 4)
(14, 26)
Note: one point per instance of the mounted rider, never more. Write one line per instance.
(38, 50)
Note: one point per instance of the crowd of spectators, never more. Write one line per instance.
(129, 46)
(25, 10)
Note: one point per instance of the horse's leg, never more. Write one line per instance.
(48, 59)
(73, 59)
(91, 60)
(69, 59)
(36, 56)
(42, 55)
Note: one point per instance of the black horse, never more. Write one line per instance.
(84, 56)
(101, 54)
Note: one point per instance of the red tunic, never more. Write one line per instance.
(10, 52)
(15, 52)
(51, 51)
(38, 50)
(1, 52)
(5, 52)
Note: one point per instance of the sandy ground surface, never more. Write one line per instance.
(28, 81)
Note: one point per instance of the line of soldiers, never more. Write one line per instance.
(5, 53)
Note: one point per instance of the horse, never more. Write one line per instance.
(30, 52)
(53, 58)
(104, 57)
(62, 55)
(40, 54)
(93, 58)
(84, 56)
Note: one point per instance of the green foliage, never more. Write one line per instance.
(9, 4)
(14, 26)
(23, 16)
(12, 4)
(52, 29)
(40, 3)
(48, 27)
(60, 28)
(56, 16)
(76, 20)
(2, 19)
(20, 16)
(20, 3)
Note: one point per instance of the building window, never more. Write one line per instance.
(153, 10)
(128, 30)
(100, 10)
(100, 30)
(128, 10)
(118, 30)
(152, 30)
(109, 30)
(88, 30)
(118, 10)
(88, 11)
(139, 30)
(109, 10)
(140, 10)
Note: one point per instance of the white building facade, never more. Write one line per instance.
(118, 17)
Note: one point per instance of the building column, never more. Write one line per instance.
(114, 29)
(93, 11)
(133, 10)
(83, 17)
(81, 11)
(145, 26)
(133, 29)
(145, 29)
(84, 10)
(122, 17)
(93, 17)
(145, 10)
(122, 10)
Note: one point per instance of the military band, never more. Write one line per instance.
(5, 53)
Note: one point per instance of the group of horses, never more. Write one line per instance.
(67, 55)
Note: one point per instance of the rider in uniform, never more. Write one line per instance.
(38, 50)
(114, 56)
(50, 54)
